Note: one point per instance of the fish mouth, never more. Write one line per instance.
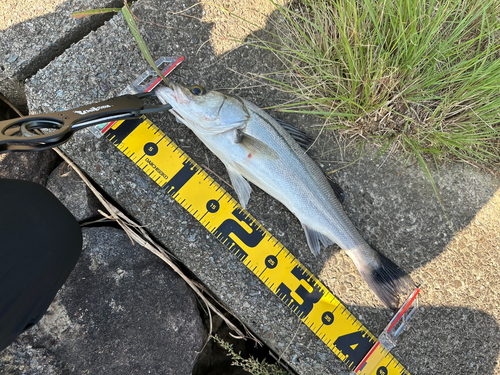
(174, 95)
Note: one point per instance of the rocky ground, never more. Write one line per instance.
(123, 311)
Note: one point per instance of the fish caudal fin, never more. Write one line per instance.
(387, 281)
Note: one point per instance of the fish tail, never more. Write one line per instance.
(387, 281)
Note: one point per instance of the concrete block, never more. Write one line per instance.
(33, 33)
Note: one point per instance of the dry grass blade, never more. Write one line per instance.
(138, 235)
(127, 14)
(92, 12)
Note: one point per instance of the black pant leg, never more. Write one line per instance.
(40, 242)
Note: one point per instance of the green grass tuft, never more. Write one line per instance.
(423, 76)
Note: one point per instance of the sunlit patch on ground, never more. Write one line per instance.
(234, 20)
(12, 14)
(467, 273)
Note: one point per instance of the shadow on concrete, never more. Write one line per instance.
(451, 340)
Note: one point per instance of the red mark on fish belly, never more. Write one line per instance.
(249, 155)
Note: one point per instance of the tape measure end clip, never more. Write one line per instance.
(400, 321)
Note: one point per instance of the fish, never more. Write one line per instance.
(255, 148)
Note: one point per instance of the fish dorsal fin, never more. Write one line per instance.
(314, 238)
(241, 186)
(254, 146)
(339, 192)
(302, 138)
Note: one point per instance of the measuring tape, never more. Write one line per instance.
(166, 164)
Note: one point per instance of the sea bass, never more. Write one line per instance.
(255, 148)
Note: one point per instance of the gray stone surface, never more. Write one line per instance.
(13, 89)
(389, 201)
(33, 34)
(21, 358)
(28, 166)
(72, 191)
(121, 311)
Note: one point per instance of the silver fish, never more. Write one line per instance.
(254, 147)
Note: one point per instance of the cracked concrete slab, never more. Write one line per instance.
(33, 33)
(456, 330)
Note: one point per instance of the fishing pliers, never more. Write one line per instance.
(25, 133)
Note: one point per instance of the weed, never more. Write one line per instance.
(250, 365)
(423, 76)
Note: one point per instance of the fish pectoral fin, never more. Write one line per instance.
(241, 186)
(314, 238)
(254, 146)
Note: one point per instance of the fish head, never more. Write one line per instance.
(205, 112)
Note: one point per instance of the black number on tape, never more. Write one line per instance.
(308, 298)
(188, 170)
(251, 239)
(327, 318)
(355, 345)
(382, 370)
(271, 261)
(213, 206)
(150, 149)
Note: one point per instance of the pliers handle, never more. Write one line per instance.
(21, 134)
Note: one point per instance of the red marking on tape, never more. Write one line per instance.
(363, 362)
(157, 81)
(106, 128)
(410, 302)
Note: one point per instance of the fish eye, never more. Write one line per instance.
(198, 90)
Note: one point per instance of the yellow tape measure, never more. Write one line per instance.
(165, 163)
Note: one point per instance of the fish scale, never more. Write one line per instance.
(180, 177)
